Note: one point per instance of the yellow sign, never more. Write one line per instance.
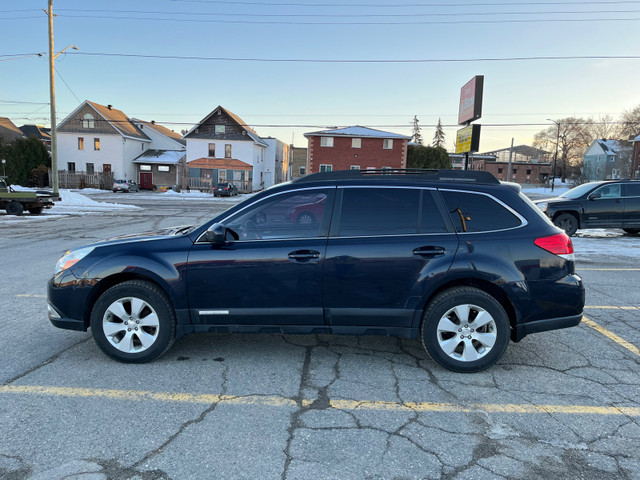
(468, 139)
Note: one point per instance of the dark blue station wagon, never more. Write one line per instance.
(455, 259)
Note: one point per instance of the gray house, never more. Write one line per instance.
(607, 159)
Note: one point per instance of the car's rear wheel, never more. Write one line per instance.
(632, 231)
(306, 218)
(465, 329)
(133, 322)
(14, 208)
(36, 210)
(567, 222)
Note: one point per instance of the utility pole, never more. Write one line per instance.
(52, 99)
(555, 158)
(510, 155)
(52, 103)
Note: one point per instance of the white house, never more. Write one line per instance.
(222, 147)
(95, 138)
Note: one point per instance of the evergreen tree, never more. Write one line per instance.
(24, 155)
(438, 138)
(419, 156)
(416, 136)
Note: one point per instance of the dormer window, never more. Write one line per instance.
(220, 130)
(88, 121)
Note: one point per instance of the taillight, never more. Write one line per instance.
(559, 244)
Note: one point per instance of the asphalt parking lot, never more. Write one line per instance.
(564, 403)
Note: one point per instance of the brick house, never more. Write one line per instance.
(298, 162)
(521, 172)
(355, 148)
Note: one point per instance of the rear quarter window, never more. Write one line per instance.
(475, 212)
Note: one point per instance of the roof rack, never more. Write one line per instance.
(466, 176)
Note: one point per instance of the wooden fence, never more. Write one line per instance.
(102, 180)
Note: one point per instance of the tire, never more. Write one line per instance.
(567, 222)
(305, 218)
(452, 314)
(115, 190)
(632, 231)
(36, 210)
(14, 208)
(133, 301)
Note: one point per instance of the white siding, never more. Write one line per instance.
(110, 152)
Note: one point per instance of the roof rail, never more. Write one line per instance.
(466, 176)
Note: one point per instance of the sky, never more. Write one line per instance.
(288, 67)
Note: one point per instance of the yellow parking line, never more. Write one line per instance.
(274, 401)
(609, 269)
(612, 336)
(610, 307)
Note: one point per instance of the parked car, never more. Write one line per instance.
(307, 213)
(606, 204)
(225, 189)
(453, 258)
(125, 186)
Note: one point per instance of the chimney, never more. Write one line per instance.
(109, 106)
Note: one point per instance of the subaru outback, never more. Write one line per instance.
(452, 258)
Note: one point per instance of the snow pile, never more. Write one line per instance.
(76, 203)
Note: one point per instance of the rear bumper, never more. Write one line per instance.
(536, 326)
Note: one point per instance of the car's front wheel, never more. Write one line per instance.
(567, 222)
(465, 329)
(133, 322)
(632, 231)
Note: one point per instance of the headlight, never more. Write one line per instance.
(72, 257)
(543, 206)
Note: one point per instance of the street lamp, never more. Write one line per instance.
(555, 158)
(4, 174)
(52, 95)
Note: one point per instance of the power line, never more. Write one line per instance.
(67, 85)
(397, 5)
(288, 22)
(385, 61)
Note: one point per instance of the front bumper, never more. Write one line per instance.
(67, 296)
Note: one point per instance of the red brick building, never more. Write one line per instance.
(355, 148)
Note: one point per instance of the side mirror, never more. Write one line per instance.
(217, 234)
(595, 196)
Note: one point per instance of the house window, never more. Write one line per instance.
(106, 167)
(80, 143)
(212, 150)
(326, 168)
(163, 168)
(71, 166)
(528, 171)
(515, 170)
(96, 144)
(227, 151)
(303, 170)
(500, 170)
(90, 168)
(356, 143)
(354, 167)
(387, 144)
(326, 141)
(220, 129)
(145, 168)
(87, 121)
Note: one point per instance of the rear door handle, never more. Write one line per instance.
(304, 255)
(429, 251)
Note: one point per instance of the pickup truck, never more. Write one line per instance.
(16, 202)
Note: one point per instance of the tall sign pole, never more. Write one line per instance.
(468, 138)
(52, 102)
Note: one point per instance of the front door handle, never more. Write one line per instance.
(429, 251)
(304, 255)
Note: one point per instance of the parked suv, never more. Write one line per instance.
(453, 258)
(225, 189)
(607, 204)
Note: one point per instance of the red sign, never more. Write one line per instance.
(471, 100)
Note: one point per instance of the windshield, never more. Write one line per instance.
(579, 190)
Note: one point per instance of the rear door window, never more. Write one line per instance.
(475, 212)
(379, 211)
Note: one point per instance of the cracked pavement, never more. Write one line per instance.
(302, 407)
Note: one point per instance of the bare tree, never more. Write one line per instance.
(630, 123)
(573, 137)
(604, 127)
